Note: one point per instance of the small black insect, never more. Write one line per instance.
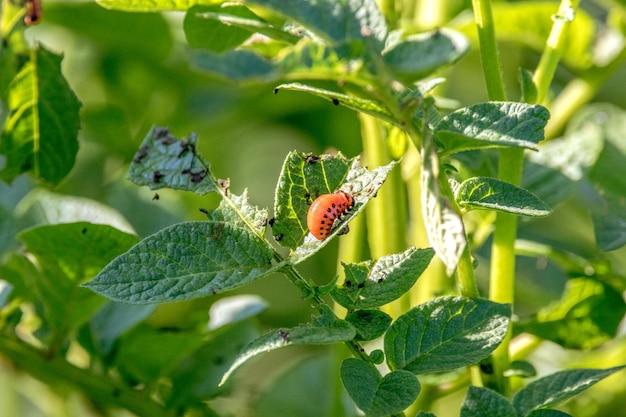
(155, 197)
(335, 101)
(278, 237)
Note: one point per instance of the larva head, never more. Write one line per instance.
(325, 210)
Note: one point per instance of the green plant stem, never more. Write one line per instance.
(385, 215)
(490, 58)
(309, 292)
(553, 50)
(578, 92)
(388, 8)
(55, 370)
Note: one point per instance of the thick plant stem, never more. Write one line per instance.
(386, 214)
(502, 281)
(552, 52)
(489, 49)
(578, 92)
(99, 389)
(502, 276)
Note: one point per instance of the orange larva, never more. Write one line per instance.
(325, 210)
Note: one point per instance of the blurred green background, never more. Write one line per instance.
(130, 71)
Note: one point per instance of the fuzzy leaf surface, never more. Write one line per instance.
(378, 396)
(354, 103)
(445, 334)
(492, 124)
(325, 329)
(556, 388)
(483, 402)
(444, 226)
(376, 283)
(165, 161)
(190, 260)
(491, 193)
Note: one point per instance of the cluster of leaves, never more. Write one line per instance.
(382, 74)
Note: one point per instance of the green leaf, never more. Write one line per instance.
(164, 161)
(230, 310)
(493, 194)
(148, 34)
(609, 223)
(588, 315)
(492, 124)
(369, 324)
(363, 185)
(425, 414)
(446, 333)
(302, 179)
(378, 396)
(325, 329)
(41, 206)
(547, 413)
(370, 107)
(146, 354)
(39, 135)
(444, 226)
(149, 5)
(556, 388)
(235, 65)
(420, 55)
(520, 369)
(373, 284)
(196, 377)
(295, 391)
(529, 88)
(67, 255)
(483, 402)
(187, 260)
(335, 21)
(112, 320)
(204, 28)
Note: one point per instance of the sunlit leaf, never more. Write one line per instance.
(39, 135)
(446, 333)
(492, 124)
(556, 388)
(493, 194)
